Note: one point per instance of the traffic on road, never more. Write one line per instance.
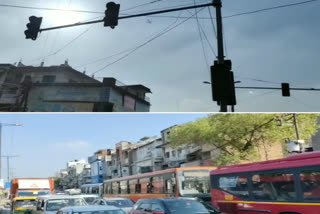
(284, 186)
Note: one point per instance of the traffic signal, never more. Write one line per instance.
(285, 89)
(222, 81)
(112, 15)
(33, 27)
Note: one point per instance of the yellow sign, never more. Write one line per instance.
(228, 197)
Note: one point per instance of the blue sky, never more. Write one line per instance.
(274, 46)
(46, 142)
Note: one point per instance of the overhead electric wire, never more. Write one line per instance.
(129, 49)
(141, 5)
(270, 8)
(212, 23)
(201, 40)
(146, 43)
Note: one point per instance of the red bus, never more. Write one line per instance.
(176, 182)
(284, 186)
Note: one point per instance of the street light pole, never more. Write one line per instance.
(4, 124)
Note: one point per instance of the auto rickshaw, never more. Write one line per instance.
(23, 205)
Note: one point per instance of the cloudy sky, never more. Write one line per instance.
(46, 142)
(273, 46)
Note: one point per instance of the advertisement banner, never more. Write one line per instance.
(33, 184)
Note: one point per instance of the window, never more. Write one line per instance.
(48, 79)
(310, 185)
(115, 188)
(236, 185)
(173, 153)
(158, 184)
(145, 207)
(170, 183)
(156, 208)
(179, 152)
(123, 187)
(132, 186)
(167, 154)
(273, 187)
(144, 182)
(12, 91)
(102, 202)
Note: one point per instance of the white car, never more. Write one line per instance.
(125, 204)
(52, 203)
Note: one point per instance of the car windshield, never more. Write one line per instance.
(194, 182)
(102, 212)
(186, 207)
(56, 204)
(25, 203)
(120, 203)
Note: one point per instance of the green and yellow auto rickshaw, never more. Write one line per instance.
(23, 205)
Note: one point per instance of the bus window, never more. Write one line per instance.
(234, 184)
(105, 188)
(138, 187)
(273, 187)
(310, 185)
(115, 188)
(194, 182)
(123, 187)
(132, 186)
(110, 190)
(144, 182)
(150, 185)
(169, 183)
(158, 184)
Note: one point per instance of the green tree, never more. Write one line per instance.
(237, 135)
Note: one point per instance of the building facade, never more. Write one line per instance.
(62, 88)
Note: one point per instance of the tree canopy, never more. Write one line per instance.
(237, 135)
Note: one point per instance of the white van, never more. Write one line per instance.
(52, 203)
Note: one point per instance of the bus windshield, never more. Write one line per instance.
(194, 182)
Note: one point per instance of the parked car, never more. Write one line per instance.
(89, 198)
(51, 204)
(168, 206)
(92, 209)
(124, 203)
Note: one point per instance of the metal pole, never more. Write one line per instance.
(218, 5)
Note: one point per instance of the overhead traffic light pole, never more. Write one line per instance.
(129, 16)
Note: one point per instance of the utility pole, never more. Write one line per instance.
(8, 164)
(218, 5)
(296, 126)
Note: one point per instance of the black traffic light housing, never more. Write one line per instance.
(33, 27)
(285, 89)
(222, 80)
(112, 15)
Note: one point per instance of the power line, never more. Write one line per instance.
(201, 40)
(146, 42)
(130, 49)
(141, 5)
(271, 8)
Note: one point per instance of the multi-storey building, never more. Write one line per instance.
(62, 88)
